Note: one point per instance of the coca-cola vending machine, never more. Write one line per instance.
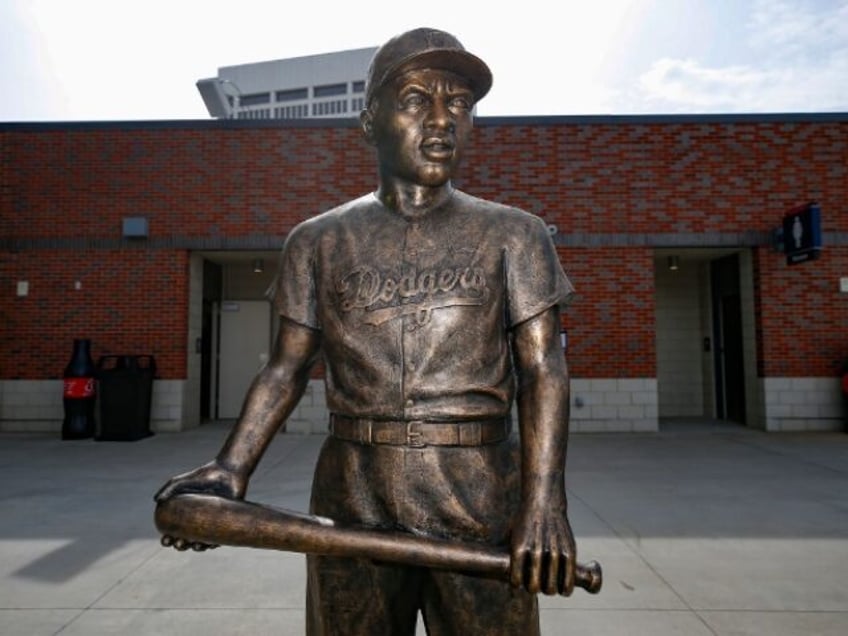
(79, 393)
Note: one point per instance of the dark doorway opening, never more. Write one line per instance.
(727, 335)
(212, 286)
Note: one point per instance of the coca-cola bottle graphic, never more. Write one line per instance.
(79, 393)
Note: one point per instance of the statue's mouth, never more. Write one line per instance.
(437, 148)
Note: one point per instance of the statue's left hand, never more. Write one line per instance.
(182, 545)
(543, 554)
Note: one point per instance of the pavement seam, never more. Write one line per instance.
(784, 455)
(121, 579)
(646, 563)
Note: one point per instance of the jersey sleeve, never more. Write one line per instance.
(534, 276)
(293, 291)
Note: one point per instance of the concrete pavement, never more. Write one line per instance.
(700, 529)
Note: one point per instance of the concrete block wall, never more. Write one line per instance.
(614, 405)
(170, 405)
(311, 414)
(35, 406)
(597, 406)
(803, 404)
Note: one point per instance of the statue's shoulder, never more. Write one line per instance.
(341, 213)
(506, 216)
(313, 228)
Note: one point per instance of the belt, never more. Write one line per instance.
(419, 433)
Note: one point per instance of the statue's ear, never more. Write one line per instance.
(366, 121)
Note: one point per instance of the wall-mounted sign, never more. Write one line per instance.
(802, 234)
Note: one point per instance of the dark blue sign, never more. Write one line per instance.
(802, 234)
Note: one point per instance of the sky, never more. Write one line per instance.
(63, 60)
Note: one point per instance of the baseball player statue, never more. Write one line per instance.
(434, 311)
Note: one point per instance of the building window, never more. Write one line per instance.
(328, 90)
(292, 94)
(255, 99)
(357, 104)
(293, 111)
(359, 87)
(334, 107)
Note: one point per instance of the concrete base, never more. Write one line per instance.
(597, 406)
(803, 404)
(35, 406)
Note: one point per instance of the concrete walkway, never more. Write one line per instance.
(701, 530)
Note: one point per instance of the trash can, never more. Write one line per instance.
(125, 391)
(844, 383)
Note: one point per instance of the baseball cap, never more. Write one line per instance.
(426, 48)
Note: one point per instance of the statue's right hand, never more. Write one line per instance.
(208, 479)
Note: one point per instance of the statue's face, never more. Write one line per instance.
(421, 125)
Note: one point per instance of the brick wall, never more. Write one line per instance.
(667, 177)
(803, 317)
(130, 301)
(610, 323)
(614, 187)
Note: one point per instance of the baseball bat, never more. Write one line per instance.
(214, 520)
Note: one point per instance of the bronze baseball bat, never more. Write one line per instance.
(209, 519)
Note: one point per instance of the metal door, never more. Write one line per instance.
(245, 341)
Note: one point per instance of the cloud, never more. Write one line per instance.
(795, 28)
(800, 63)
(687, 82)
(685, 85)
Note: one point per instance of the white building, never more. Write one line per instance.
(324, 85)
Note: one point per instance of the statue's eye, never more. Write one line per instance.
(461, 103)
(413, 100)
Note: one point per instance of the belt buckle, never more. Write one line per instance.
(414, 437)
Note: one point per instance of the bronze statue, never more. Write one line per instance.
(433, 310)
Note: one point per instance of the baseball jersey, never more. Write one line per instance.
(415, 313)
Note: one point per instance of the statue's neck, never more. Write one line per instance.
(413, 200)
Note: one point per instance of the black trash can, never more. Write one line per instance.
(125, 391)
(843, 381)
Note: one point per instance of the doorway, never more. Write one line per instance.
(705, 338)
(208, 336)
(245, 338)
(729, 361)
(236, 328)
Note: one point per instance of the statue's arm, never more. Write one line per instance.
(270, 399)
(543, 553)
